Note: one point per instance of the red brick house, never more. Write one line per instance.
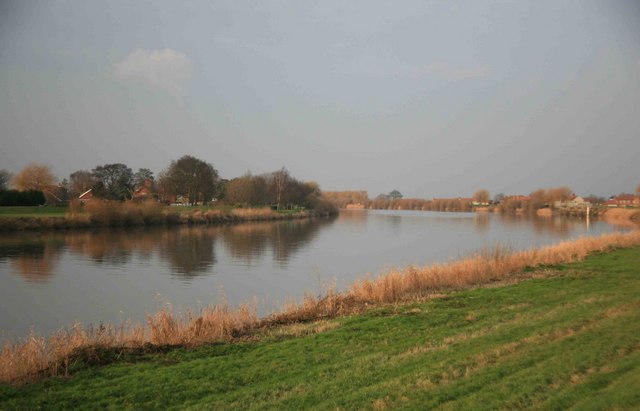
(626, 200)
(86, 196)
(145, 191)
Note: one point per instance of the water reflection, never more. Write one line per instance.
(481, 222)
(48, 280)
(189, 250)
(35, 258)
(113, 247)
(558, 226)
(289, 238)
(249, 242)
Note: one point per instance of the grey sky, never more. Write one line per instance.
(431, 98)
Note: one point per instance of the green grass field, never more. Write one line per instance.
(33, 211)
(569, 339)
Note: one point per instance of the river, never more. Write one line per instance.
(50, 280)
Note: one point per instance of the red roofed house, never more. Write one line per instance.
(86, 196)
(626, 200)
(145, 191)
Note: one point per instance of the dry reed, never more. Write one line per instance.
(37, 356)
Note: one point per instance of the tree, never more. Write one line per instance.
(498, 198)
(5, 179)
(395, 195)
(191, 177)
(559, 194)
(112, 181)
(142, 175)
(248, 189)
(481, 196)
(279, 182)
(34, 177)
(539, 198)
(79, 182)
(594, 199)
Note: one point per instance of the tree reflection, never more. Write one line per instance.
(33, 257)
(113, 246)
(249, 242)
(290, 236)
(481, 222)
(189, 250)
(560, 226)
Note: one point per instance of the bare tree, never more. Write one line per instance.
(79, 182)
(34, 177)
(481, 196)
(280, 180)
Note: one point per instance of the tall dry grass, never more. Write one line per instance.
(128, 213)
(37, 356)
(105, 213)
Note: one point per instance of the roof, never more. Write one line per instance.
(87, 194)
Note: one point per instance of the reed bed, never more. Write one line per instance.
(103, 213)
(37, 356)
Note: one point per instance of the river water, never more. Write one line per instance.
(54, 279)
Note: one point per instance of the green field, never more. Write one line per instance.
(568, 339)
(33, 211)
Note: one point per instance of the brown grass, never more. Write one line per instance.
(37, 356)
(104, 213)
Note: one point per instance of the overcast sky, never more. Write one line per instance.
(433, 98)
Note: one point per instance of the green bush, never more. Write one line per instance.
(21, 198)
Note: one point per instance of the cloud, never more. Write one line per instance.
(165, 69)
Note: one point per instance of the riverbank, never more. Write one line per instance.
(38, 356)
(555, 337)
(133, 214)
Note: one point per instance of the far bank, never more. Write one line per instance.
(98, 214)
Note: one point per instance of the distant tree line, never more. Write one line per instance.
(277, 189)
(187, 180)
(540, 198)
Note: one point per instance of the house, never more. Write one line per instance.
(145, 191)
(86, 196)
(625, 200)
(575, 202)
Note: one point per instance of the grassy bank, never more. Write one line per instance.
(98, 214)
(564, 336)
(33, 212)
